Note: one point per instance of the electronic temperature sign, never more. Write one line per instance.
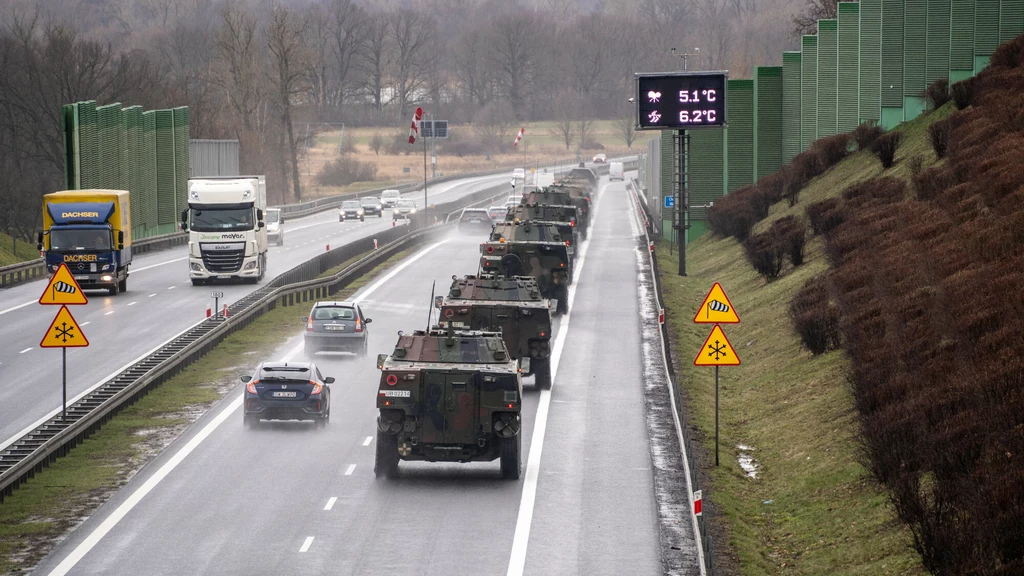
(681, 100)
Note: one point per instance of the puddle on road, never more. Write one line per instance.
(747, 461)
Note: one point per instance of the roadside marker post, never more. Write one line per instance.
(216, 295)
(717, 350)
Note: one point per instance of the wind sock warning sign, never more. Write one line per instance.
(716, 309)
(63, 289)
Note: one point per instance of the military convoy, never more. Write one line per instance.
(454, 393)
(449, 396)
(512, 305)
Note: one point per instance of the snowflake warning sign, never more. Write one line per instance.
(717, 351)
(64, 332)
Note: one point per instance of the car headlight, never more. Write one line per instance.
(106, 278)
(105, 267)
(360, 211)
(250, 265)
(412, 210)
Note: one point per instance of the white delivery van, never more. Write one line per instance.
(615, 171)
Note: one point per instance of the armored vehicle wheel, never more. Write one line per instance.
(123, 285)
(563, 300)
(385, 462)
(541, 372)
(511, 461)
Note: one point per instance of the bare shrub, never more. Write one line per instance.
(937, 94)
(866, 133)
(825, 215)
(764, 252)
(345, 170)
(815, 318)
(885, 148)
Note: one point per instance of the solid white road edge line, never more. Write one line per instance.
(306, 544)
(330, 503)
(517, 559)
(109, 522)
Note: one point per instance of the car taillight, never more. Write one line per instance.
(566, 242)
(490, 249)
(392, 380)
(309, 324)
(316, 388)
(251, 386)
(572, 223)
(359, 325)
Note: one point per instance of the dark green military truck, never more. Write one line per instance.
(528, 249)
(449, 396)
(512, 306)
(562, 218)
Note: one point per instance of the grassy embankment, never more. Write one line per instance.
(42, 510)
(12, 253)
(813, 508)
(539, 146)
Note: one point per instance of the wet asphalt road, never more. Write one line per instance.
(289, 499)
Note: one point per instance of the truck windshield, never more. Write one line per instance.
(74, 240)
(221, 219)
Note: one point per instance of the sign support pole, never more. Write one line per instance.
(426, 207)
(64, 381)
(716, 415)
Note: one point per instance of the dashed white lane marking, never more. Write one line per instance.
(18, 307)
(25, 350)
(108, 313)
(521, 539)
(151, 295)
(132, 303)
(86, 323)
(306, 544)
(330, 503)
(368, 440)
(350, 470)
(160, 264)
(171, 287)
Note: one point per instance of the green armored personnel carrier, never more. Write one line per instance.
(528, 249)
(561, 217)
(586, 174)
(556, 195)
(512, 306)
(449, 396)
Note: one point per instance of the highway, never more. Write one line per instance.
(160, 303)
(288, 499)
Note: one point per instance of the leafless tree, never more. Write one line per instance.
(514, 56)
(347, 21)
(565, 111)
(319, 36)
(187, 53)
(471, 66)
(493, 124)
(625, 125)
(413, 33)
(241, 80)
(806, 22)
(376, 143)
(285, 34)
(375, 58)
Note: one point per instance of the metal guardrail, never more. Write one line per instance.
(683, 422)
(56, 437)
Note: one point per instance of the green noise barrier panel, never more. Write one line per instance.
(938, 41)
(808, 92)
(915, 33)
(767, 120)
(848, 78)
(144, 152)
(706, 169)
(870, 41)
(828, 62)
(961, 40)
(1011, 19)
(791, 65)
(740, 170)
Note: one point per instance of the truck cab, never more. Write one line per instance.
(89, 231)
(226, 228)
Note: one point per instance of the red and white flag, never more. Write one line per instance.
(519, 137)
(414, 128)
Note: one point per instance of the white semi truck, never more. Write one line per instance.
(227, 236)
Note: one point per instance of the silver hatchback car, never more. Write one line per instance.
(336, 327)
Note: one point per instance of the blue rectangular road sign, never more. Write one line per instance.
(670, 201)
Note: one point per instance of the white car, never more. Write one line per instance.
(600, 159)
(390, 197)
(512, 201)
(519, 174)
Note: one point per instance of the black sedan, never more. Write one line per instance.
(287, 391)
(372, 206)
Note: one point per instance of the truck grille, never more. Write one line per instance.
(224, 261)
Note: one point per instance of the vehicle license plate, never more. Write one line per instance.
(283, 394)
(81, 277)
(334, 327)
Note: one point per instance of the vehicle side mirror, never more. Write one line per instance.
(281, 220)
(368, 320)
(39, 241)
(329, 380)
(381, 359)
(438, 301)
(524, 365)
(246, 378)
(305, 318)
(261, 224)
(120, 239)
(259, 214)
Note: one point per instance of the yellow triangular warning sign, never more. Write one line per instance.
(64, 332)
(716, 308)
(63, 289)
(717, 351)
